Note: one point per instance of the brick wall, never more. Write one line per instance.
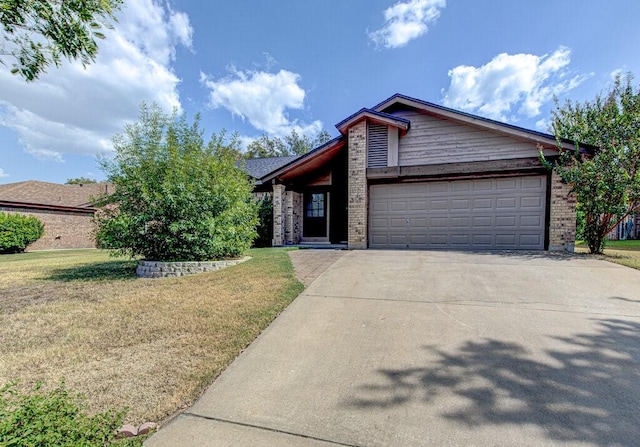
(62, 230)
(357, 178)
(278, 215)
(293, 217)
(562, 223)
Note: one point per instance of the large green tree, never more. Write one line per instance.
(38, 33)
(176, 197)
(80, 181)
(292, 144)
(605, 177)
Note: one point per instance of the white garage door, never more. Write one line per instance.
(490, 214)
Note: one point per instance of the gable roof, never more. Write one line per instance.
(53, 194)
(380, 114)
(457, 115)
(321, 152)
(259, 167)
(375, 116)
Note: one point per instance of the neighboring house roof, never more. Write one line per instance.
(259, 167)
(33, 192)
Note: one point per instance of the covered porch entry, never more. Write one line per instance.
(310, 198)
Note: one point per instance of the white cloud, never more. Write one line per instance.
(511, 84)
(618, 72)
(406, 21)
(263, 99)
(544, 125)
(75, 110)
(3, 174)
(270, 61)
(246, 140)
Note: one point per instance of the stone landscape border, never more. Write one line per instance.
(157, 269)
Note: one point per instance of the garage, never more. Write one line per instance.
(506, 213)
(409, 174)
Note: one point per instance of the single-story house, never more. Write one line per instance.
(408, 174)
(65, 210)
(629, 228)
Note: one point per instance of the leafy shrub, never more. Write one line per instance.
(265, 222)
(581, 222)
(605, 179)
(18, 231)
(176, 198)
(55, 418)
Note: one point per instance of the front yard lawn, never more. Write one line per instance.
(148, 345)
(621, 252)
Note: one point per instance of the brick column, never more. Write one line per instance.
(358, 194)
(298, 213)
(278, 215)
(292, 217)
(562, 222)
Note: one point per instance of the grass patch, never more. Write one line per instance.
(147, 345)
(621, 252)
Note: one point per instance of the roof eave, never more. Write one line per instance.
(374, 116)
(332, 144)
(43, 206)
(510, 129)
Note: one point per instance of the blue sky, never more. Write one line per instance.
(257, 67)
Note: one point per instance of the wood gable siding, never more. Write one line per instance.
(434, 140)
(377, 145)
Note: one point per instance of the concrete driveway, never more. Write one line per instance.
(401, 348)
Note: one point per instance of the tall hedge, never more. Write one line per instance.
(176, 197)
(18, 231)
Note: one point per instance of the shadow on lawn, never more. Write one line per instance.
(103, 271)
(589, 391)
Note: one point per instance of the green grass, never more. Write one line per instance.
(625, 253)
(149, 346)
(632, 245)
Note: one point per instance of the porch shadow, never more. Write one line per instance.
(587, 390)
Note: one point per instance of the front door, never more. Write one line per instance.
(315, 221)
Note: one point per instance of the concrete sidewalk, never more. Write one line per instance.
(437, 348)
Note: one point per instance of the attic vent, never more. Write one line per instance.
(377, 141)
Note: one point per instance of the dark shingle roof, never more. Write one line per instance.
(374, 113)
(44, 193)
(259, 167)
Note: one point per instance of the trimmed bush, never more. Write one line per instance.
(18, 231)
(55, 418)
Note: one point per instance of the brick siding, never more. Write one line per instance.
(293, 217)
(62, 230)
(562, 222)
(358, 195)
(278, 215)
